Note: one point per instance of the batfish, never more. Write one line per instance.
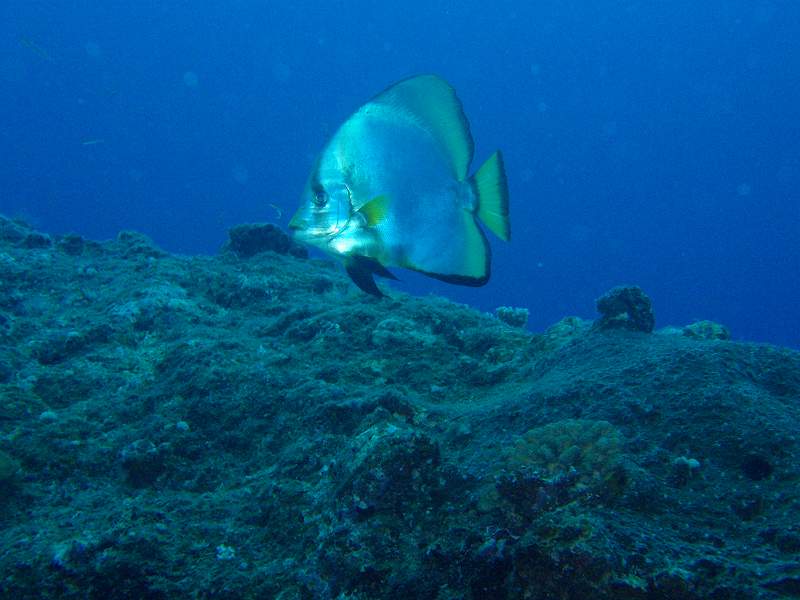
(392, 189)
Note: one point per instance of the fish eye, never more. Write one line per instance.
(320, 198)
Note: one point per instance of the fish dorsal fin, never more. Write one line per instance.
(433, 104)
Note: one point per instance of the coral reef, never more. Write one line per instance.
(515, 317)
(591, 448)
(249, 425)
(251, 238)
(707, 330)
(626, 307)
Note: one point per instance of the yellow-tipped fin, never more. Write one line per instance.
(375, 210)
(491, 189)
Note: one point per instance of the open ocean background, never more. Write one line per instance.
(651, 143)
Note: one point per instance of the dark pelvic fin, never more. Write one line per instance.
(361, 269)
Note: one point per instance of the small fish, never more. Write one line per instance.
(391, 189)
(92, 142)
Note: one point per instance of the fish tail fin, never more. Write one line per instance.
(491, 189)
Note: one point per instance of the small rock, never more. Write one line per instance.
(12, 231)
(515, 317)
(625, 307)
(71, 244)
(36, 240)
(133, 243)
(225, 552)
(683, 469)
(252, 238)
(48, 416)
(707, 330)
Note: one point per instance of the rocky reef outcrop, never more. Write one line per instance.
(250, 425)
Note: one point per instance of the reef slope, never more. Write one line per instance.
(249, 425)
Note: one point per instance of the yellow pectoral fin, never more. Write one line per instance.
(375, 210)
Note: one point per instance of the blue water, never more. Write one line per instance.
(655, 143)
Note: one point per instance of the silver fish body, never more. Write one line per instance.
(391, 189)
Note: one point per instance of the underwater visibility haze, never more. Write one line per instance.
(198, 401)
(645, 143)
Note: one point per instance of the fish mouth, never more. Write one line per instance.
(304, 234)
(303, 230)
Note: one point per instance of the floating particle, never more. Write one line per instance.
(190, 79)
(743, 189)
(240, 174)
(281, 72)
(93, 49)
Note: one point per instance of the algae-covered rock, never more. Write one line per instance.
(12, 231)
(71, 244)
(398, 333)
(216, 426)
(515, 317)
(249, 239)
(566, 330)
(591, 448)
(625, 307)
(132, 244)
(707, 330)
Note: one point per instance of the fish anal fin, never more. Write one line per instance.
(469, 264)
